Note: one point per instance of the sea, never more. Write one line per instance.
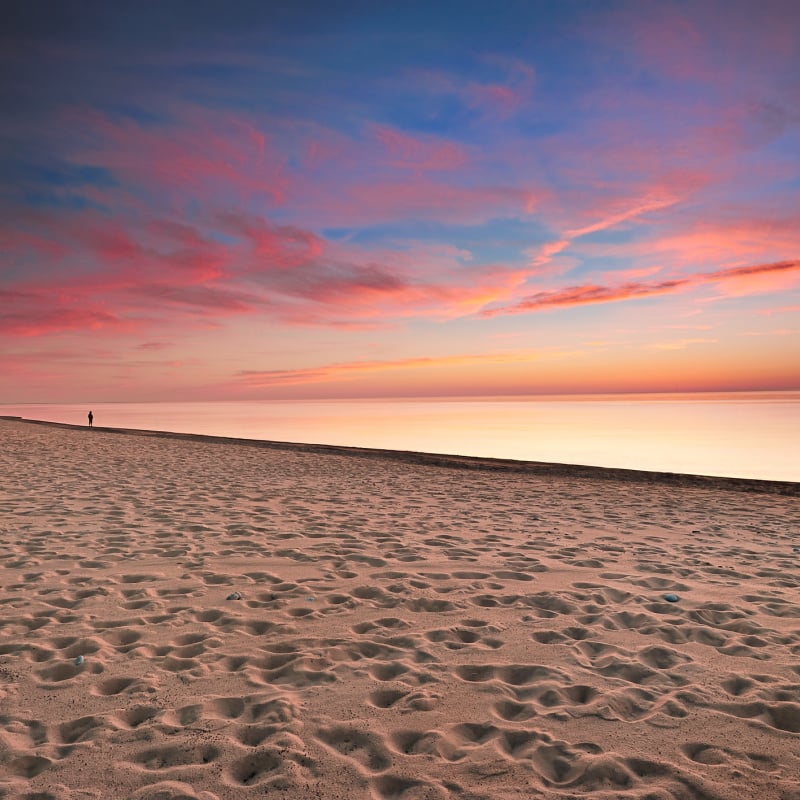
(736, 434)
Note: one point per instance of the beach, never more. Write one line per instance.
(194, 617)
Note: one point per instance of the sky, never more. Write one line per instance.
(254, 200)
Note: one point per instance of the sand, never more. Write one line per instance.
(395, 628)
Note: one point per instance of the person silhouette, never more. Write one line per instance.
(91, 418)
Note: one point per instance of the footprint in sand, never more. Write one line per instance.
(365, 748)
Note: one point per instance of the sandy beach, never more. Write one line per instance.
(183, 617)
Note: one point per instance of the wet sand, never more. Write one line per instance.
(192, 617)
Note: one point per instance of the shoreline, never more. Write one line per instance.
(536, 468)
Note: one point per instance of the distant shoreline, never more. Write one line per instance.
(534, 468)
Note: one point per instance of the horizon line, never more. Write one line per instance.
(411, 397)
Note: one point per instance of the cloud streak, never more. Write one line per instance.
(346, 370)
(589, 293)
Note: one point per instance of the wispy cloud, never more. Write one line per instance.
(680, 344)
(343, 370)
(581, 295)
(41, 323)
(645, 206)
(424, 153)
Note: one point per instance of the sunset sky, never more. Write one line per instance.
(341, 199)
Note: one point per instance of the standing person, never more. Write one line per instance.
(91, 418)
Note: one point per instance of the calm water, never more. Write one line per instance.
(749, 435)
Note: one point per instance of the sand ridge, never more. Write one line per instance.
(396, 629)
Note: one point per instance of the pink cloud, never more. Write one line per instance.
(199, 298)
(586, 294)
(108, 240)
(582, 295)
(16, 241)
(608, 214)
(92, 249)
(366, 297)
(197, 151)
(780, 310)
(495, 100)
(154, 272)
(672, 43)
(760, 279)
(153, 269)
(415, 198)
(272, 246)
(199, 158)
(775, 332)
(679, 344)
(612, 218)
(732, 241)
(626, 170)
(352, 369)
(544, 254)
(39, 322)
(420, 153)
(752, 270)
(695, 42)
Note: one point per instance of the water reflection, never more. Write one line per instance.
(749, 435)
